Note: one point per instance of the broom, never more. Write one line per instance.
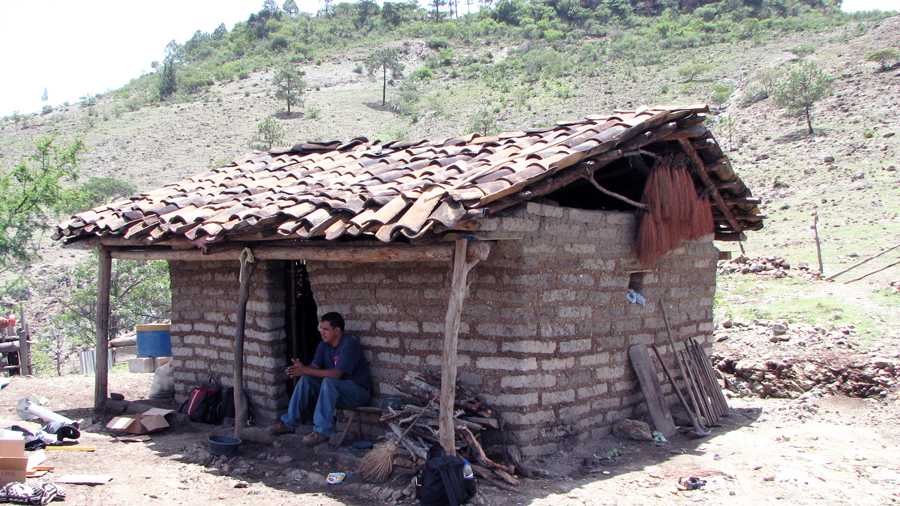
(377, 464)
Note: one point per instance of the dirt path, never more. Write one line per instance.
(834, 450)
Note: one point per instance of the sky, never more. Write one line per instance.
(75, 48)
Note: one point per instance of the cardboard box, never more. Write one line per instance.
(13, 469)
(152, 420)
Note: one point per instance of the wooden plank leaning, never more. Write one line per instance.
(656, 405)
(699, 429)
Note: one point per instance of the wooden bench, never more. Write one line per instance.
(352, 416)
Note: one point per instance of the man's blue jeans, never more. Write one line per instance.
(326, 395)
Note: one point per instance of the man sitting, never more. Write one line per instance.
(337, 377)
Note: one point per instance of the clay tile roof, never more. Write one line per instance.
(332, 189)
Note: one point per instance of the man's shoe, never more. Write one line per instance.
(280, 428)
(313, 439)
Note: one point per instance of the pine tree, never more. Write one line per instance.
(290, 8)
(289, 85)
(800, 88)
(384, 60)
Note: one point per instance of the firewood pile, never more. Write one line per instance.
(415, 427)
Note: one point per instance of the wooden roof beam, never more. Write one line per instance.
(688, 148)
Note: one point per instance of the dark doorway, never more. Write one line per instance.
(302, 317)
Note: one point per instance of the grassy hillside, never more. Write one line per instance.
(523, 64)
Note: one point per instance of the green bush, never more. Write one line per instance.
(422, 74)
(483, 121)
(887, 58)
(139, 293)
(691, 71)
(269, 133)
(437, 43)
(803, 50)
(721, 92)
(312, 112)
(94, 191)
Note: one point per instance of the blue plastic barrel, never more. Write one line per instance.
(153, 340)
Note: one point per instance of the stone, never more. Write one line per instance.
(778, 328)
(633, 429)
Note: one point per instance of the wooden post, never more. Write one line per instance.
(240, 411)
(815, 227)
(24, 345)
(101, 353)
(458, 286)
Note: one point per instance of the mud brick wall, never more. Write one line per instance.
(204, 299)
(546, 325)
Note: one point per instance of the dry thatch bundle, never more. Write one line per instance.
(675, 212)
(378, 463)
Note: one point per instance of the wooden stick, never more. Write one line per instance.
(479, 455)
(697, 426)
(681, 367)
(888, 266)
(865, 261)
(24, 345)
(712, 376)
(703, 379)
(590, 178)
(246, 274)
(815, 227)
(101, 366)
(698, 392)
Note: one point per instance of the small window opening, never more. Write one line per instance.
(636, 281)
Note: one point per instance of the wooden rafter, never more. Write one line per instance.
(704, 176)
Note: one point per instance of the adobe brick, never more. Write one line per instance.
(575, 346)
(533, 346)
(558, 397)
(555, 364)
(528, 381)
(507, 363)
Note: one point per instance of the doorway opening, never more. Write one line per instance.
(302, 316)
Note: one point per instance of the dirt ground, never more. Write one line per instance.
(832, 450)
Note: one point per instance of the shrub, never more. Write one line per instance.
(803, 50)
(801, 86)
(887, 58)
(278, 43)
(94, 191)
(47, 109)
(422, 74)
(691, 71)
(437, 43)
(721, 92)
(269, 132)
(312, 112)
(483, 121)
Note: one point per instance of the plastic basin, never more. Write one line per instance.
(224, 445)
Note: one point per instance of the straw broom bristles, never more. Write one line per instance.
(378, 463)
(675, 212)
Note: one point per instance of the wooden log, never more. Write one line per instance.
(479, 455)
(358, 254)
(704, 176)
(246, 273)
(101, 369)
(485, 421)
(449, 352)
(863, 262)
(12, 347)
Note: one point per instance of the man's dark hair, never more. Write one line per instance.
(334, 319)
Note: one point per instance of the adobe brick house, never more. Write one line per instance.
(387, 233)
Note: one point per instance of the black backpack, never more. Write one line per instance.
(445, 480)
